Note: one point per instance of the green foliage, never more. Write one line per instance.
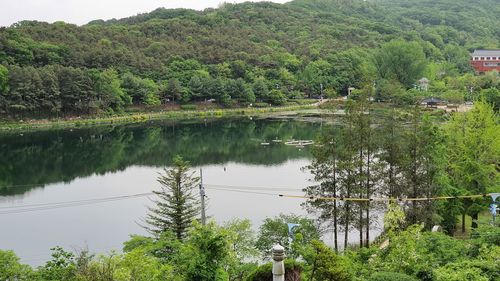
(144, 91)
(400, 61)
(189, 107)
(62, 266)
(4, 76)
(11, 269)
(391, 276)
(207, 251)
(473, 144)
(108, 87)
(176, 206)
(242, 238)
(293, 271)
(180, 55)
(275, 231)
(260, 89)
(491, 96)
(394, 219)
(138, 265)
(323, 264)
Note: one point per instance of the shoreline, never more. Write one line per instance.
(147, 116)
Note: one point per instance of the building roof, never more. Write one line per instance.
(486, 53)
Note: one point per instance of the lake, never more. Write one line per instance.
(61, 166)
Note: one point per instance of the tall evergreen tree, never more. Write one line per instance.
(421, 166)
(176, 206)
(473, 150)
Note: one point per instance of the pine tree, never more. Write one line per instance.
(176, 206)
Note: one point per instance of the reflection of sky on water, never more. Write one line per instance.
(105, 226)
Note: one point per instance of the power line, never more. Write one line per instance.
(254, 187)
(384, 198)
(244, 191)
(49, 206)
(240, 189)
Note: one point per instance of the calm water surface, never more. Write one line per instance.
(70, 165)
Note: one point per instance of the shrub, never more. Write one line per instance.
(293, 272)
(188, 107)
(260, 104)
(391, 276)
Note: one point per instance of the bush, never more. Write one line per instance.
(304, 101)
(260, 104)
(293, 272)
(391, 276)
(188, 107)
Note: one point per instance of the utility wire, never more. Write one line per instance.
(240, 189)
(57, 205)
(382, 198)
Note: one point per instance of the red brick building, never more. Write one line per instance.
(485, 60)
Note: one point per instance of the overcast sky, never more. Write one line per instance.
(83, 11)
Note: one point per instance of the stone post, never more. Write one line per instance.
(278, 264)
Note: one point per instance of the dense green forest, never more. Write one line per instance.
(239, 54)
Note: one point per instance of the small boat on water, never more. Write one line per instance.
(277, 141)
(264, 143)
(299, 143)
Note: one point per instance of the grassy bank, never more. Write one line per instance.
(144, 117)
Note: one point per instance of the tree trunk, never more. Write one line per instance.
(346, 226)
(474, 220)
(361, 224)
(335, 228)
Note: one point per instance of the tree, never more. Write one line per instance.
(144, 91)
(239, 90)
(391, 155)
(207, 251)
(260, 89)
(275, 230)
(176, 206)
(196, 88)
(317, 76)
(108, 87)
(174, 91)
(276, 97)
(421, 166)
(323, 264)
(401, 61)
(62, 266)
(324, 169)
(242, 248)
(472, 150)
(492, 96)
(242, 238)
(4, 76)
(11, 269)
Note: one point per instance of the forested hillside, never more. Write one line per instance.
(236, 54)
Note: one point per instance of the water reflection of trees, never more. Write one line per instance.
(39, 158)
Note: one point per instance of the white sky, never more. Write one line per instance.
(83, 11)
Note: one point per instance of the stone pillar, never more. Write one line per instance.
(278, 264)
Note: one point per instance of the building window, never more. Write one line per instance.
(488, 58)
(482, 58)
